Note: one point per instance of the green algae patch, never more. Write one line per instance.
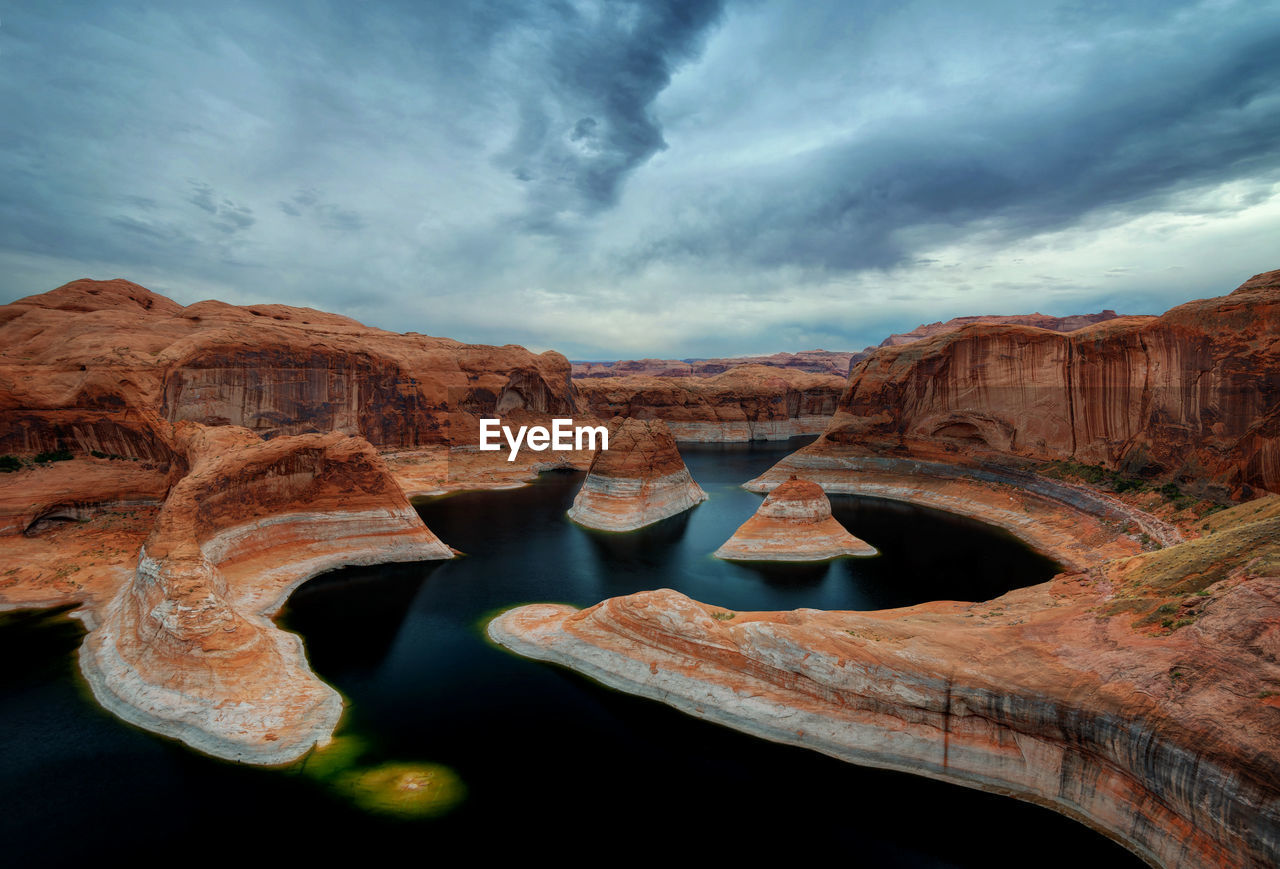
(398, 789)
(403, 790)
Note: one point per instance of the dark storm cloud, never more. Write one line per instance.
(586, 173)
(1137, 126)
(587, 121)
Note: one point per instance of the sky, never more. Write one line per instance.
(621, 179)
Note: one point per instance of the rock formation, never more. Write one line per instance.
(794, 523)
(1040, 321)
(1141, 696)
(639, 480)
(752, 402)
(1191, 395)
(95, 366)
(186, 647)
(813, 361)
(836, 362)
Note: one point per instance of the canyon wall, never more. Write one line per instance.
(100, 366)
(1191, 395)
(813, 361)
(751, 402)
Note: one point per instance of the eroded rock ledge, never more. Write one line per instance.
(1073, 524)
(1167, 739)
(183, 644)
(639, 480)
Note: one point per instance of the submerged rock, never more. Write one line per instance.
(794, 523)
(639, 480)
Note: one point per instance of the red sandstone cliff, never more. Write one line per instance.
(813, 361)
(1192, 394)
(101, 365)
(751, 402)
(1040, 321)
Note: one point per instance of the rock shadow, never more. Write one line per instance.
(362, 608)
(787, 574)
(653, 545)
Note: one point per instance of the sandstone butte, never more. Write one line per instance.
(190, 529)
(1138, 691)
(750, 402)
(639, 480)
(793, 523)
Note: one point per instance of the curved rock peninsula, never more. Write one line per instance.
(1165, 738)
(793, 523)
(186, 647)
(639, 480)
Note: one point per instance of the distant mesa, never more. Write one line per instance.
(639, 480)
(837, 362)
(794, 523)
(813, 361)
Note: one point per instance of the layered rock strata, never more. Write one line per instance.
(1161, 735)
(179, 639)
(1069, 323)
(1073, 524)
(813, 361)
(1192, 395)
(752, 402)
(98, 366)
(793, 523)
(639, 480)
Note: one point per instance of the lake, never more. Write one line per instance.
(542, 759)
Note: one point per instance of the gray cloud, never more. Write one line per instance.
(620, 177)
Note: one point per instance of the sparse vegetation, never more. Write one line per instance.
(10, 463)
(1165, 590)
(54, 456)
(723, 616)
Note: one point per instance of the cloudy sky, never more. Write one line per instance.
(619, 179)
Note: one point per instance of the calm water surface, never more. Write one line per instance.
(550, 761)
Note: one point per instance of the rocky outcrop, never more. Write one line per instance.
(640, 479)
(813, 361)
(186, 647)
(747, 403)
(1040, 321)
(794, 523)
(823, 361)
(1161, 734)
(1075, 525)
(1191, 395)
(100, 366)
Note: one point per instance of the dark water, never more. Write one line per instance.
(551, 762)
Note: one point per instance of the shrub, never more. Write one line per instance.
(54, 456)
(9, 463)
